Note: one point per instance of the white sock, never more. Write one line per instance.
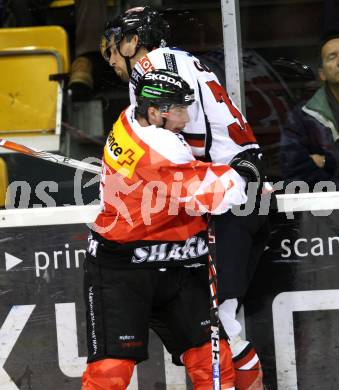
(227, 315)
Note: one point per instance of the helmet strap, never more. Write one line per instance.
(128, 65)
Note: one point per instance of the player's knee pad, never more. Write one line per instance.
(248, 372)
(198, 363)
(108, 374)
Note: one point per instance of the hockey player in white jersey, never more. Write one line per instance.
(135, 44)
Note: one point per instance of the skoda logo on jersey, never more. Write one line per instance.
(162, 77)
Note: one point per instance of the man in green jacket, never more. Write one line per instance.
(310, 140)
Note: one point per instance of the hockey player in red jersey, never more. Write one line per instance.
(147, 254)
(135, 44)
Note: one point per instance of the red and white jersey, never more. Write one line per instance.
(217, 131)
(152, 187)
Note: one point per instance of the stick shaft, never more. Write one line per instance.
(215, 339)
(54, 158)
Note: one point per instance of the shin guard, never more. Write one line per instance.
(108, 374)
(198, 363)
(248, 372)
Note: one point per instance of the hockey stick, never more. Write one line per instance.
(215, 340)
(81, 135)
(54, 158)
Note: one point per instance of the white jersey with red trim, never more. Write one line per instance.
(217, 130)
(152, 187)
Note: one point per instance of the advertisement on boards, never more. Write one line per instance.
(292, 306)
(42, 317)
(291, 310)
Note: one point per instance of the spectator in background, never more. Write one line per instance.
(310, 139)
(90, 17)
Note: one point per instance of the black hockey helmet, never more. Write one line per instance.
(152, 30)
(162, 89)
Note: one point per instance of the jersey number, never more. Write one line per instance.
(240, 131)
